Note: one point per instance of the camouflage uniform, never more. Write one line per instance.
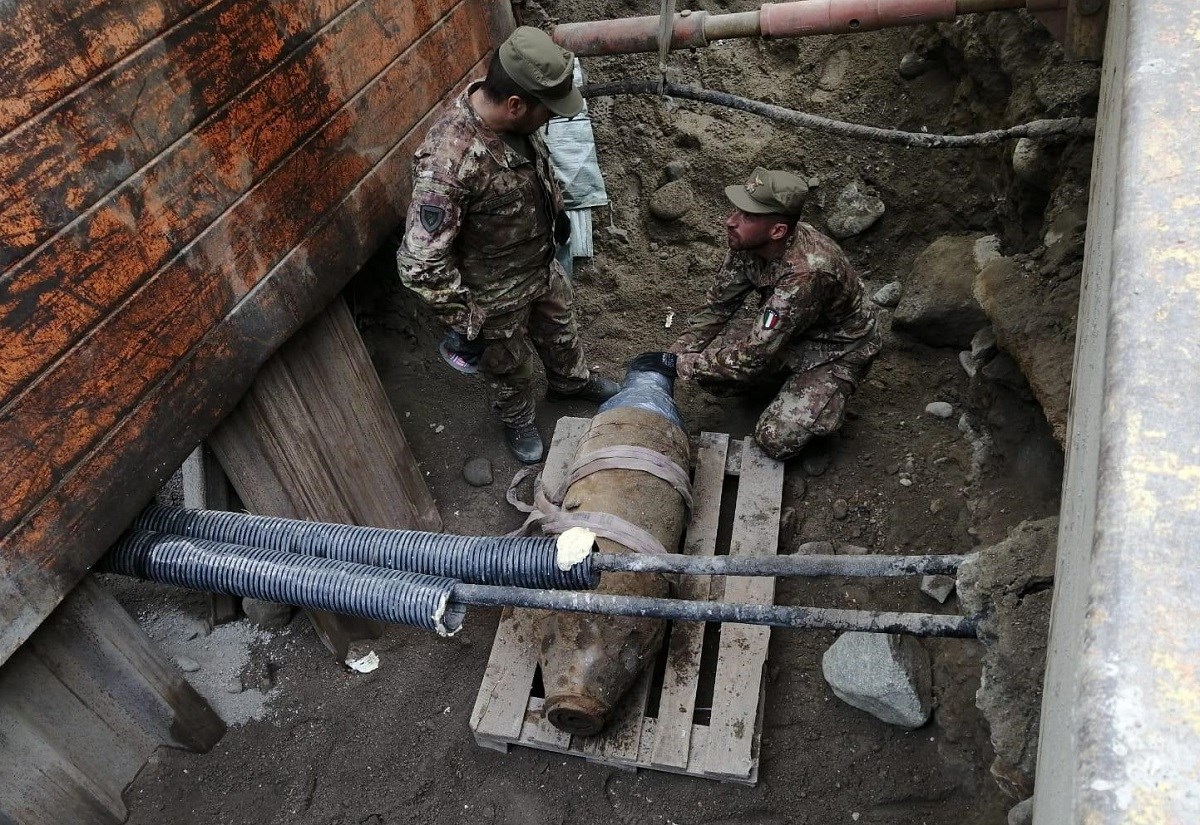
(815, 331)
(478, 248)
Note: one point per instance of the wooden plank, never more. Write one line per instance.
(499, 710)
(49, 48)
(503, 698)
(132, 460)
(122, 119)
(205, 487)
(316, 439)
(743, 648)
(677, 704)
(1086, 25)
(82, 705)
(623, 737)
(192, 189)
(66, 411)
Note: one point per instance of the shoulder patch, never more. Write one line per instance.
(770, 319)
(432, 218)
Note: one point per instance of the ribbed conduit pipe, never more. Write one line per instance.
(438, 604)
(516, 561)
(395, 596)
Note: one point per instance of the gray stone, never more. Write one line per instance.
(983, 344)
(671, 201)
(938, 587)
(1009, 586)
(939, 409)
(187, 665)
(987, 249)
(884, 674)
(853, 211)
(477, 471)
(912, 66)
(968, 363)
(939, 305)
(841, 509)
(268, 615)
(815, 464)
(1021, 813)
(1030, 163)
(676, 169)
(888, 294)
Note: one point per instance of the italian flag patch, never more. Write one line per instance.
(770, 319)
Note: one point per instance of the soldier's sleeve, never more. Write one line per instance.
(794, 306)
(426, 260)
(722, 301)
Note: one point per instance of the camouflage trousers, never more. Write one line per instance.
(807, 405)
(545, 325)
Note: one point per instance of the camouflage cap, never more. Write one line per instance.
(769, 192)
(543, 68)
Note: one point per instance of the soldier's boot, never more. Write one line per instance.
(524, 442)
(596, 389)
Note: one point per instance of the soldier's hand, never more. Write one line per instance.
(660, 362)
(475, 320)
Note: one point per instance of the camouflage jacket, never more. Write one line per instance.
(812, 311)
(478, 239)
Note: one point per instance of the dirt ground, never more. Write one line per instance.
(393, 745)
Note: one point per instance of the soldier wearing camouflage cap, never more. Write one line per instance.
(479, 240)
(815, 334)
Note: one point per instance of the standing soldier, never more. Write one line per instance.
(815, 332)
(479, 241)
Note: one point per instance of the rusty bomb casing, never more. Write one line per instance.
(590, 661)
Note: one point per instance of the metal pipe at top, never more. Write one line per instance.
(694, 29)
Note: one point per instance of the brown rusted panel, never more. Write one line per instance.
(49, 300)
(49, 48)
(68, 409)
(51, 548)
(130, 113)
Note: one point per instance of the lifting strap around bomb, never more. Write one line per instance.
(548, 513)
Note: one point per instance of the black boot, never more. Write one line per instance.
(598, 389)
(525, 442)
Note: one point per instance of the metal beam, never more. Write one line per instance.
(1120, 736)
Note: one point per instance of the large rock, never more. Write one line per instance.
(852, 212)
(938, 305)
(1034, 320)
(671, 201)
(886, 675)
(1009, 586)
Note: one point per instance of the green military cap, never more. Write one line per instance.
(769, 192)
(543, 68)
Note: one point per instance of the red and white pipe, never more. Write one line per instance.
(694, 29)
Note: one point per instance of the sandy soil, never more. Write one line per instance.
(393, 746)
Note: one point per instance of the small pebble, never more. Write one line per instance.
(938, 587)
(968, 363)
(187, 665)
(906, 482)
(888, 295)
(676, 169)
(840, 509)
(912, 65)
(939, 409)
(815, 465)
(477, 472)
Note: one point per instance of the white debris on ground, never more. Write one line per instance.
(222, 655)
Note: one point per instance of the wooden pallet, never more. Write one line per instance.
(674, 738)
